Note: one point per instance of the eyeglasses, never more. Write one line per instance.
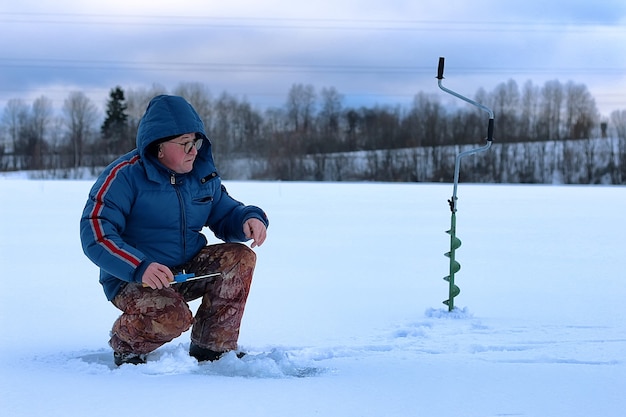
(196, 143)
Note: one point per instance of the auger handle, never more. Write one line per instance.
(440, 68)
(472, 102)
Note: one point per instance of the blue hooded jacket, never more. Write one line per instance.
(139, 211)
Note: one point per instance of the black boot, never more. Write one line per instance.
(132, 358)
(204, 354)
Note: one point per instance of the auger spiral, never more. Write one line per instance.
(455, 266)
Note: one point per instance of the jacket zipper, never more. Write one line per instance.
(182, 214)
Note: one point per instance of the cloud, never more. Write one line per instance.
(368, 50)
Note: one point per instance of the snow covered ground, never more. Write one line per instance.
(345, 315)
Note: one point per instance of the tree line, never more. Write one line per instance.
(296, 140)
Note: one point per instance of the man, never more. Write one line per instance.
(142, 225)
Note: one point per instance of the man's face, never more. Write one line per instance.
(172, 153)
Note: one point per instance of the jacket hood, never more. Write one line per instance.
(167, 116)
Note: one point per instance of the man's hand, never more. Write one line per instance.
(255, 229)
(157, 276)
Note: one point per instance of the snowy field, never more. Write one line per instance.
(345, 315)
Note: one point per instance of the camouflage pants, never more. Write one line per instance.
(152, 318)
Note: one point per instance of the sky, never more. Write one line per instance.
(370, 51)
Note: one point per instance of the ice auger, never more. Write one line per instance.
(455, 242)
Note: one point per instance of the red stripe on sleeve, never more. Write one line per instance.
(97, 209)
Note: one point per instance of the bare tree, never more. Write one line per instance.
(581, 114)
(81, 115)
(618, 119)
(352, 120)
(301, 107)
(283, 152)
(14, 119)
(381, 127)
(550, 117)
(248, 129)
(136, 102)
(224, 130)
(41, 117)
(199, 96)
(529, 116)
(332, 103)
(425, 121)
(505, 102)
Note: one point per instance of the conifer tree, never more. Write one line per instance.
(114, 130)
